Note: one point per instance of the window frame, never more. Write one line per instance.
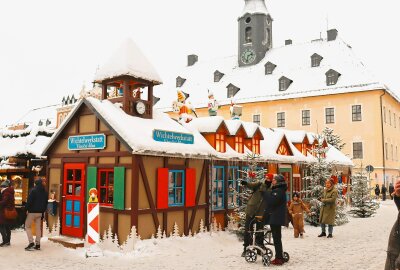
(331, 78)
(106, 187)
(234, 184)
(216, 193)
(259, 119)
(303, 117)
(174, 188)
(248, 32)
(358, 151)
(220, 142)
(331, 117)
(255, 145)
(239, 144)
(356, 113)
(280, 121)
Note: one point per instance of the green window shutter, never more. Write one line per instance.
(91, 180)
(119, 188)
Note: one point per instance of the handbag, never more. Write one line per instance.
(10, 213)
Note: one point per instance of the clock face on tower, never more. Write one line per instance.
(248, 56)
(140, 107)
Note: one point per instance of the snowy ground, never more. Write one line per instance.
(360, 244)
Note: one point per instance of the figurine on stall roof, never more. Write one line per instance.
(93, 195)
(235, 110)
(183, 107)
(213, 105)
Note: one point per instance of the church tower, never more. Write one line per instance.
(255, 32)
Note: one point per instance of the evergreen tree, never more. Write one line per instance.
(318, 173)
(332, 138)
(341, 216)
(362, 203)
(252, 174)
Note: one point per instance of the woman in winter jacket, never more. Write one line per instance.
(275, 214)
(328, 210)
(7, 201)
(296, 209)
(393, 250)
(377, 191)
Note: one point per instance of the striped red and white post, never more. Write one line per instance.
(93, 236)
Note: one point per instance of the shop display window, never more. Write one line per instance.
(106, 186)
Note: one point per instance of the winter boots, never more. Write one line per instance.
(30, 247)
(329, 236)
(323, 234)
(277, 261)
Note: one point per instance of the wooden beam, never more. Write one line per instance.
(199, 189)
(135, 192)
(104, 91)
(148, 192)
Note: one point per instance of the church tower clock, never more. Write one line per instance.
(255, 32)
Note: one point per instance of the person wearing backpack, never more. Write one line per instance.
(35, 207)
(7, 202)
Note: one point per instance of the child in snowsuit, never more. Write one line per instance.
(296, 209)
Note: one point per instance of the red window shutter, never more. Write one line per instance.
(190, 189)
(162, 188)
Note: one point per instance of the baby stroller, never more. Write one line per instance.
(267, 253)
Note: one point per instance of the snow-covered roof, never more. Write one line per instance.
(337, 157)
(233, 126)
(294, 136)
(206, 124)
(40, 116)
(250, 128)
(128, 60)
(24, 142)
(292, 61)
(255, 7)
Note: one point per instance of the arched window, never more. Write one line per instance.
(247, 35)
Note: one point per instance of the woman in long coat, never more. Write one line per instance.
(7, 201)
(328, 210)
(393, 250)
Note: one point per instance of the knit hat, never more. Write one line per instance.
(279, 178)
(6, 183)
(269, 176)
(296, 194)
(38, 181)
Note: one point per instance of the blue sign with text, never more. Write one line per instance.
(87, 142)
(173, 137)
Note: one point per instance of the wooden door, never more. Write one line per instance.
(73, 199)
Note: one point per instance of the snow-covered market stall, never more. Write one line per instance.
(152, 171)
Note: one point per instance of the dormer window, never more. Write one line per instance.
(220, 142)
(180, 81)
(255, 147)
(247, 35)
(269, 68)
(332, 77)
(232, 90)
(218, 76)
(284, 83)
(239, 144)
(316, 60)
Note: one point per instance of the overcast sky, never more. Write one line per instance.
(49, 49)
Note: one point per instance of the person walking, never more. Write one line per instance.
(255, 207)
(383, 191)
(7, 202)
(296, 209)
(393, 250)
(328, 210)
(275, 214)
(35, 207)
(377, 191)
(391, 190)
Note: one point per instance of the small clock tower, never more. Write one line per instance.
(128, 78)
(255, 32)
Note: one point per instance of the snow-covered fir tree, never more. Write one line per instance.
(318, 173)
(159, 234)
(253, 174)
(333, 139)
(176, 231)
(341, 216)
(362, 203)
(131, 240)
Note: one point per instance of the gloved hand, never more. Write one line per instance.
(243, 183)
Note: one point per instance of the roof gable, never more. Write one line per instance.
(128, 60)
